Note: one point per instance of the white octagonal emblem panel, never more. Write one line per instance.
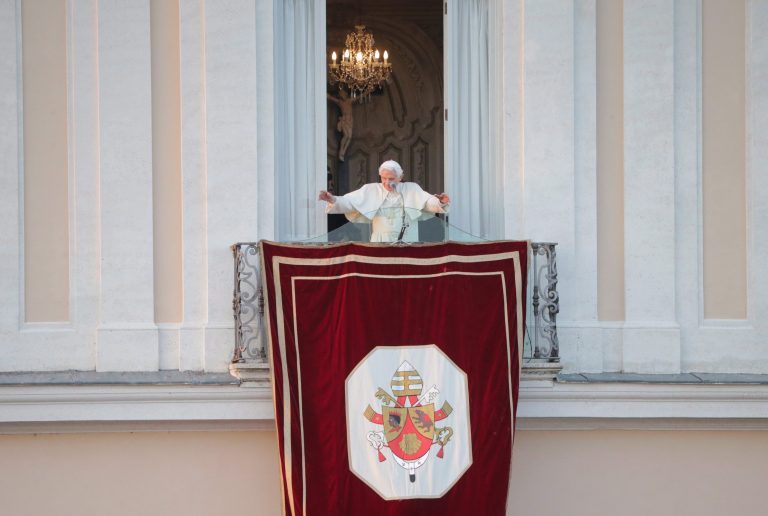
(408, 432)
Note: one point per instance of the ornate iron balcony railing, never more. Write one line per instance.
(541, 346)
(248, 305)
(545, 301)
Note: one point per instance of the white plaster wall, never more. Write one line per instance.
(651, 341)
(265, 90)
(84, 131)
(548, 137)
(193, 185)
(231, 140)
(229, 182)
(716, 345)
(581, 333)
(552, 193)
(111, 244)
(511, 125)
(69, 345)
(127, 333)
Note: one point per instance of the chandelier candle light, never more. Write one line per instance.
(361, 70)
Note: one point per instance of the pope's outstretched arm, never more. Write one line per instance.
(336, 203)
(437, 203)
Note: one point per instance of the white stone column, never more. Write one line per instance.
(193, 172)
(509, 16)
(127, 332)
(757, 178)
(549, 126)
(265, 93)
(581, 331)
(10, 178)
(651, 334)
(559, 165)
(688, 177)
(83, 82)
(231, 170)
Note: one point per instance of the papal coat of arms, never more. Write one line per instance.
(409, 421)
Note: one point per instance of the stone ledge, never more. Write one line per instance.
(252, 374)
(544, 404)
(116, 378)
(672, 379)
(122, 426)
(73, 401)
(132, 403)
(540, 370)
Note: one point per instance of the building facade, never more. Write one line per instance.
(142, 139)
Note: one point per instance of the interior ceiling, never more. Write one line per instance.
(426, 14)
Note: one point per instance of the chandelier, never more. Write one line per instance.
(361, 70)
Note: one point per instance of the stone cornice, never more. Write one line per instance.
(549, 404)
(544, 404)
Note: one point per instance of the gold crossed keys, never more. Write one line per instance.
(386, 399)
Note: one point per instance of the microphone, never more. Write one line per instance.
(404, 220)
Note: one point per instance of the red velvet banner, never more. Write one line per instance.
(395, 374)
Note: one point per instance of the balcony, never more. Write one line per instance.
(541, 358)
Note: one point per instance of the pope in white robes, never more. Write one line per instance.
(391, 206)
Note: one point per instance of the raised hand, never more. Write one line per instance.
(325, 196)
(443, 198)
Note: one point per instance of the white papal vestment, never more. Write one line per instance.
(387, 211)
